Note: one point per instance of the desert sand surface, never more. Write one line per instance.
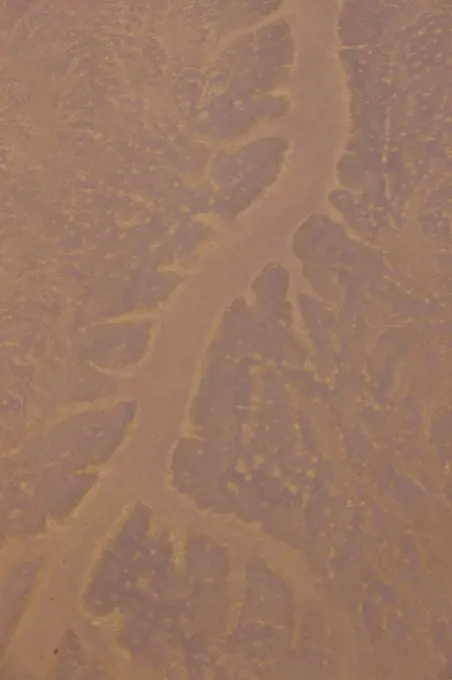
(225, 340)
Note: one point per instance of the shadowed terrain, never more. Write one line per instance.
(225, 340)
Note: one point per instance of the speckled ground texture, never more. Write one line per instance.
(225, 340)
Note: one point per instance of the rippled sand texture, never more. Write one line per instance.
(225, 340)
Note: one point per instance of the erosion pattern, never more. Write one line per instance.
(226, 397)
